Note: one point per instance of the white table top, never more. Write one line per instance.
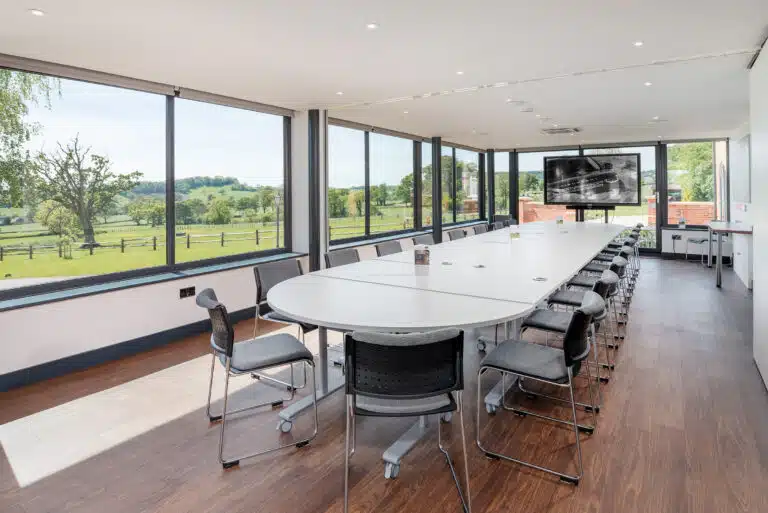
(726, 227)
(392, 294)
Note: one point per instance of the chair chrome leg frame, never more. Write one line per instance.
(231, 462)
(573, 479)
(269, 379)
(349, 451)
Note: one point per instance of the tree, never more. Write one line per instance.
(17, 89)
(156, 212)
(698, 179)
(355, 200)
(137, 211)
(502, 191)
(190, 211)
(107, 208)
(404, 191)
(248, 202)
(58, 219)
(267, 198)
(530, 182)
(219, 212)
(80, 181)
(337, 202)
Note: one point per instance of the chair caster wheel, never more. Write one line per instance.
(481, 346)
(490, 408)
(285, 426)
(302, 444)
(603, 379)
(391, 470)
(572, 480)
(230, 464)
(214, 418)
(446, 417)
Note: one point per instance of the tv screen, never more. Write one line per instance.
(593, 180)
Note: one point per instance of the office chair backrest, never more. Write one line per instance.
(270, 274)
(480, 228)
(512, 220)
(404, 366)
(576, 339)
(341, 257)
(621, 263)
(506, 223)
(427, 239)
(498, 225)
(223, 335)
(457, 234)
(388, 248)
(611, 279)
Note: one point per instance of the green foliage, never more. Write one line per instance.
(17, 89)
(404, 191)
(151, 211)
(79, 181)
(58, 219)
(337, 202)
(251, 201)
(190, 211)
(356, 201)
(502, 191)
(219, 212)
(379, 195)
(696, 159)
(267, 198)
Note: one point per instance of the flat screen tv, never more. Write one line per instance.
(592, 180)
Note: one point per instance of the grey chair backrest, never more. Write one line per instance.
(506, 223)
(389, 247)
(498, 225)
(480, 228)
(576, 339)
(404, 366)
(341, 257)
(270, 274)
(611, 278)
(513, 221)
(427, 239)
(458, 233)
(223, 335)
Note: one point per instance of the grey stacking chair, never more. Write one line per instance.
(506, 223)
(389, 247)
(456, 234)
(427, 239)
(498, 225)
(550, 365)
(480, 228)
(405, 375)
(341, 257)
(267, 276)
(244, 358)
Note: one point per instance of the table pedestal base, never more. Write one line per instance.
(395, 452)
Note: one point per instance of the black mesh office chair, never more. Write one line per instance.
(498, 225)
(341, 257)
(427, 239)
(267, 276)
(550, 365)
(456, 234)
(246, 357)
(480, 228)
(415, 374)
(388, 248)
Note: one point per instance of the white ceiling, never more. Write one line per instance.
(299, 53)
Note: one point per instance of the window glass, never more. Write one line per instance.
(501, 183)
(346, 182)
(229, 181)
(446, 169)
(426, 184)
(74, 159)
(691, 183)
(467, 188)
(531, 205)
(391, 165)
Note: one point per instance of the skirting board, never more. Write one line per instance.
(114, 352)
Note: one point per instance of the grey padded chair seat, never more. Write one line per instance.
(548, 320)
(271, 351)
(426, 239)
(524, 358)
(274, 316)
(397, 407)
(567, 297)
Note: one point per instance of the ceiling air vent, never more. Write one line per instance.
(560, 131)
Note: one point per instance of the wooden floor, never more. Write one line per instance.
(684, 428)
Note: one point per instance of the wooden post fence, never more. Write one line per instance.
(154, 243)
(122, 245)
(222, 239)
(1, 253)
(257, 237)
(30, 251)
(187, 241)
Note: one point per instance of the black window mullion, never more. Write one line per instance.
(514, 187)
(170, 184)
(453, 182)
(481, 185)
(417, 200)
(367, 147)
(287, 199)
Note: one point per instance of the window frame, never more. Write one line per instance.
(32, 66)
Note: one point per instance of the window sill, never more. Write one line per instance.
(688, 228)
(464, 224)
(375, 240)
(89, 290)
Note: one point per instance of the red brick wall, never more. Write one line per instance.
(694, 212)
(531, 211)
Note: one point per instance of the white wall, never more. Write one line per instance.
(741, 208)
(758, 97)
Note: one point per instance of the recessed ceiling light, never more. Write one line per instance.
(648, 84)
(538, 115)
(459, 72)
(405, 112)
(555, 125)
(36, 12)
(372, 26)
(655, 118)
(659, 137)
(339, 93)
(638, 43)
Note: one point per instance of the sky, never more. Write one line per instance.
(129, 128)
